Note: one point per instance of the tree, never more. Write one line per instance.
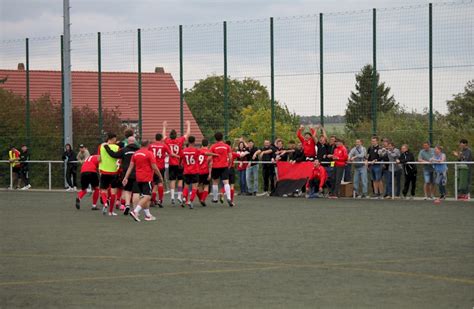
(461, 108)
(206, 101)
(359, 107)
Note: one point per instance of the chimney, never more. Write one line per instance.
(159, 70)
(21, 66)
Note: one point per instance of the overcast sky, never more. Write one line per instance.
(402, 43)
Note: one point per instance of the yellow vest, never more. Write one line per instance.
(107, 163)
(12, 156)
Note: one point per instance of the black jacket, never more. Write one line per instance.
(70, 156)
(24, 156)
(125, 154)
(298, 155)
(408, 169)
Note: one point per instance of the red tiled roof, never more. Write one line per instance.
(160, 95)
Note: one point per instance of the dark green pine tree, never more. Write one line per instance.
(359, 107)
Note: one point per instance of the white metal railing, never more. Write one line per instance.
(455, 163)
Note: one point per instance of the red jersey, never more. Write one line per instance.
(160, 150)
(90, 165)
(203, 161)
(309, 146)
(235, 156)
(175, 145)
(340, 156)
(190, 158)
(143, 160)
(321, 174)
(222, 159)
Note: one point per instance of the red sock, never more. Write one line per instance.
(222, 190)
(109, 192)
(185, 193)
(232, 195)
(199, 194)
(122, 202)
(160, 192)
(81, 194)
(95, 196)
(153, 197)
(204, 195)
(112, 203)
(193, 194)
(103, 197)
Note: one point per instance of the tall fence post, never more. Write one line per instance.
(226, 90)
(27, 109)
(430, 8)
(49, 175)
(99, 84)
(272, 78)
(321, 69)
(374, 72)
(140, 120)
(62, 85)
(181, 92)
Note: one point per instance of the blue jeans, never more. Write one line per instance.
(252, 179)
(360, 174)
(243, 181)
(388, 182)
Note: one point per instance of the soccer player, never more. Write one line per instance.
(160, 150)
(175, 144)
(204, 172)
(145, 165)
(125, 155)
(190, 159)
(235, 156)
(309, 142)
(108, 169)
(317, 181)
(90, 177)
(221, 158)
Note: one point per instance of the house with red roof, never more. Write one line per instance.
(160, 95)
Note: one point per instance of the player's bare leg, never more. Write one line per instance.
(172, 188)
(143, 204)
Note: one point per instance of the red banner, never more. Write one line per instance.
(288, 171)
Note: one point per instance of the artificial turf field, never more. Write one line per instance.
(265, 253)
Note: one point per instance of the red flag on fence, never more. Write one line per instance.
(292, 177)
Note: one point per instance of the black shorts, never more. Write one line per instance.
(89, 178)
(118, 182)
(144, 188)
(108, 180)
(156, 179)
(231, 176)
(175, 172)
(204, 179)
(191, 178)
(130, 184)
(16, 170)
(221, 173)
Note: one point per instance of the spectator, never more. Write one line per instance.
(465, 155)
(288, 153)
(252, 170)
(348, 169)
(383, 155)
(267, 154)
(83, 154)
(358, 155)
(298, 154)
(244, 156)
(425, 156)
(281, 154)
(317, 181)
(69, 157)
(393, 154)
(14, 158)
(328, 161)
(340, 157)
(441, 170)
(323, 148)
(24, 167)
(373, 158)
(309, 142)
(409, 170)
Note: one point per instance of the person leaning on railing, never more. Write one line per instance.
(409, 170)
(14, 158)
(465, 155)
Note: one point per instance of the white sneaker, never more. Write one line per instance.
(69, 189)
(112, 214)
(26, 187)
(75, 189)
(150, 218)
